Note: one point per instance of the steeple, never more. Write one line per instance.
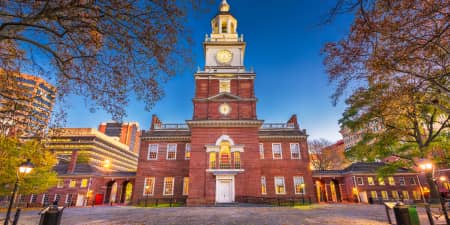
(224, 25)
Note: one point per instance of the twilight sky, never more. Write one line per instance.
(284, 40)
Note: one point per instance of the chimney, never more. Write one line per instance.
(293, 121)
(156, 123)
(73, 162)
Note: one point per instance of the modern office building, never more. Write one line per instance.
(127, 133)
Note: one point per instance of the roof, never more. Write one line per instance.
(359, 167)
(86, 169)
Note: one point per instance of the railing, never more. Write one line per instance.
(277, 125)
(279, 201)
(169, 126)
(155, 202)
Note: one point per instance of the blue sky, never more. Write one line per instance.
(284, 40)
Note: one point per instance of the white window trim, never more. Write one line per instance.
(299, 151)
(399, 181)
(407, 195)
(376, 194)
(389, 182)
(261, 150)
(54, 198)
(284, 185)
(149, 151)
(164, 187)
(414, 179)
(81, 183)
(263, 178)
(373, 181)
(295, 185)
(185, 151)
(153, 186)
(281, 151)
(43, 198)
(31, 198)
(167, 151)
(67, 199)
(362, 181)
(70, 183)
(60, 181)
(184, 186)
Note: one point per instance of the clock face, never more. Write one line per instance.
(224, 109)
(224, 56)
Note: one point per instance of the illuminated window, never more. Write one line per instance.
(370, 181)
(374, 194)
(263, 185)
(225, 155)
(395, 195)
(405, 195)
(168, 185)
(186, 186)
(237, 160)
(212, 160)
(359, 181)
(73, 183)
(224, 86)
(261, 151)
(416, 195)
(299, 185)
(171, 152)
(187, 152)
(276, 151)
(84, 183)
(295, 151)
(152, 152)
(401, 181)
(60, 183)
(279, 186)
(412, 181)
(381, 181)
(384, 195)
(149, 186)
(391, 181)
(224, 27)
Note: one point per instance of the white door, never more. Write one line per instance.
(80, 200)
(224, 191)
(363, 197)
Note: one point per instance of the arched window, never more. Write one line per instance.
(224, 27)
(225, 155)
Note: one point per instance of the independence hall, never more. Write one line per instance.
(225, 153)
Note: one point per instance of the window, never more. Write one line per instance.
(168, 185)
(276, 151)
(374, 194)
(57, 197)
(69, 199)
(22, 198)
(187, 152)
(261, 151)
(33, 198)
(60, 183)
(186, 186)
(384, 195)
(279, 186)
(395, 195)
(381, 181)
(84, 183)
(401, 181)
(299, 185)
(416, 195)
(405, 195)
(212, 160)
(171, 152)
(45, 199)
(295, 151)
(359, 181)
(149, 186)
(152, 152)
(73, 183)
(391, 181)
(263, 186)
(224, 86)
(412, 181)
(370, 181)
(237, 160)
(225, 155)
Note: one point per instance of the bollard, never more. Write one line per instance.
(388, 214)
(430, 216)
(16, 216)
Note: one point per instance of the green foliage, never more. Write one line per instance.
(13, 153)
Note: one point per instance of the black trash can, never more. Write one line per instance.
(370, 200)
(51, 215)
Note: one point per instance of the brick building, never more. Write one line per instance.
(225, 153)
(359, 183)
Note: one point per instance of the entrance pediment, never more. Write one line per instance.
(224, 97)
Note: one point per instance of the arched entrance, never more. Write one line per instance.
(127, 191)
(111, 192)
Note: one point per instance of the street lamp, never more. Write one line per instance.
(24, 169)
(426, 165)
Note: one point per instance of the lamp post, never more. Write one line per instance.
(434, 193)
(24, 169)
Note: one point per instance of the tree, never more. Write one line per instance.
(104, 50)
(13, 153)
(323, 158)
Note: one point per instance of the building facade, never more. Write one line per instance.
(127, 133)
(225, 153)
(92, 168)
(26, 103)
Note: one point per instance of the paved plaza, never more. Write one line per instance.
(354, 214)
